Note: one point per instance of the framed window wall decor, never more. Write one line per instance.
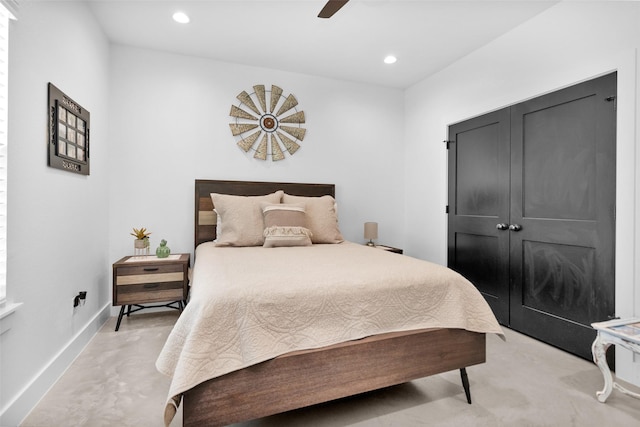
(69, 125)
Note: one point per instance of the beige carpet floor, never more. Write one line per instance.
(524, 383)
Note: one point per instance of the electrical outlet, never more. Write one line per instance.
(79, 299)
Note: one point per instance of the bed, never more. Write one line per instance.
(252, 367)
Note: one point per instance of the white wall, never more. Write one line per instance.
(568, 43)
(57, 220)
(170, 125)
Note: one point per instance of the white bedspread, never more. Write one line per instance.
(248, 305)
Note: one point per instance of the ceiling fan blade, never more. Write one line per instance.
(331, 8)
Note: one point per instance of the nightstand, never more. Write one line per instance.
(141, 280)
(389, 249)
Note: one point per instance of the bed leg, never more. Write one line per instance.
(465, 384)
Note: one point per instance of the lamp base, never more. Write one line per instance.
(370, 243)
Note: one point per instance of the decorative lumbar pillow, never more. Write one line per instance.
(285, 225)
(322, 219)
(277, 237)
(241, 218)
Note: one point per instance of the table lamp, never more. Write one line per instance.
(370, 232)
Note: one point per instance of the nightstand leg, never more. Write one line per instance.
(128, 310)
(120, 317)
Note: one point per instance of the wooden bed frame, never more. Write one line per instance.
(303, 378)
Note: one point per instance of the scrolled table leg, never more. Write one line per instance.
(599, 351)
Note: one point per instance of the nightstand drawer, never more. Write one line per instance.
(149, 292)
(136, 279)
(137, 270)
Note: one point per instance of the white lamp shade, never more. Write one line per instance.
(370, 230)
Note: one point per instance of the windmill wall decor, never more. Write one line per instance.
(266, 121)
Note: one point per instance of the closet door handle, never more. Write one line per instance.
(502, 226)
(515, 227)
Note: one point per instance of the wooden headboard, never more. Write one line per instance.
(205, 219)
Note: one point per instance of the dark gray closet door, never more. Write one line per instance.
(479, 162)
(532, 211)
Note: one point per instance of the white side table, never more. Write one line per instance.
(622, 332)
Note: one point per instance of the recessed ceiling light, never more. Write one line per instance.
(390, 59)
(181, 17)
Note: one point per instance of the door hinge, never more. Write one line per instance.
(446, 209)
(613, 99)
(448, 143)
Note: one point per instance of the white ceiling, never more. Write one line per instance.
(425, 35)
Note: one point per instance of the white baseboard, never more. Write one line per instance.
(18, 409)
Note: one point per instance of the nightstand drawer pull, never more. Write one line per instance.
(151, 285)
(151, 269)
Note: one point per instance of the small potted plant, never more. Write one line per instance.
(141, 244)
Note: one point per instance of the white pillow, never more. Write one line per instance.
(322, 218)
(241, 218)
